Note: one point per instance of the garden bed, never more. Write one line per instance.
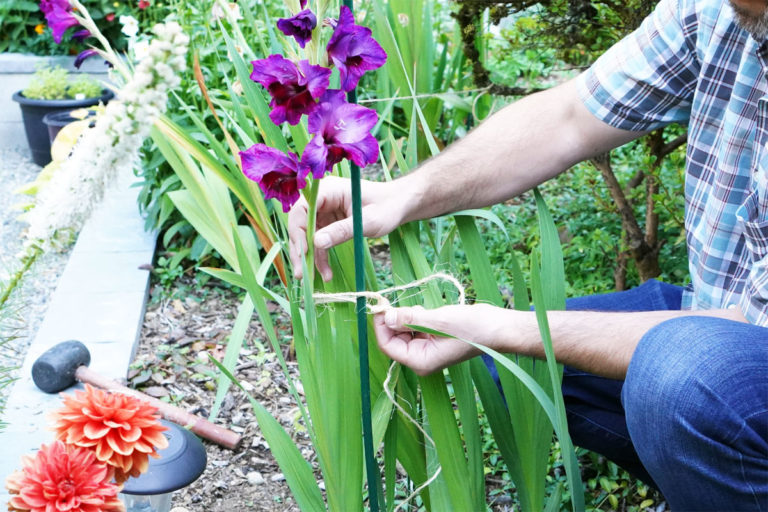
(188, 321)
(172, 363)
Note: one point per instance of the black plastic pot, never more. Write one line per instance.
(55, 121)
(33, 111)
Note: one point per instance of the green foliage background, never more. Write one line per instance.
(18, 19)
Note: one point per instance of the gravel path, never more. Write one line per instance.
(20, 317)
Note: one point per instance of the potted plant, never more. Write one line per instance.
(51, 90)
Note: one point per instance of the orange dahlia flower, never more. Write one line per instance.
(122, 430)
(63, 478)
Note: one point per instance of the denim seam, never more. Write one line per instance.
(746, 480)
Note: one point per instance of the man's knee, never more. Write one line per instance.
(685, 367)
(695, 391)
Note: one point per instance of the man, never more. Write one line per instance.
(672, 385)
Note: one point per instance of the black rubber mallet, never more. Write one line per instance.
(66, 363)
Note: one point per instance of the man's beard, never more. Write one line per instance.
(755, 24)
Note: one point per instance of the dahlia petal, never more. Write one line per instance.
(157, 439)
(95, 430)
(118, 445)
(104, 452)
(130, 434)
(141, 462)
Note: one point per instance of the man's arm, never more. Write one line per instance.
(597, 342)
(517, 148)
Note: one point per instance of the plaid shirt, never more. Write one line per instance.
(690, 63)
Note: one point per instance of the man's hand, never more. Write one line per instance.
(426, 353)
(384, 207)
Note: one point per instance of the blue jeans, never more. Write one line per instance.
(691, 418)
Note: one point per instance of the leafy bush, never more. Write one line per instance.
(23, 28)
(85, 86)
(47, 84)
(53, 83)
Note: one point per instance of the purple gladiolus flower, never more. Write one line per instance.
(299, 27)
(84, 55)
(81, 35)
(293, 88)
(59, 16)
(303, 3)
(353, 50)
(278, 174)
(47, 5)
(342, 130)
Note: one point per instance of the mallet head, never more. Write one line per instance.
(54, 370)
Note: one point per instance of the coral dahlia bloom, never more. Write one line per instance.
(121, 430)
(62, 478)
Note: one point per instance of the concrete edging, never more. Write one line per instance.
(100, 300)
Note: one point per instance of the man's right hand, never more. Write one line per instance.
(384, 209)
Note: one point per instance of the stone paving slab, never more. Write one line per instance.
(100, 300)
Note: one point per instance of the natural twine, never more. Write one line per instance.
(381, 305)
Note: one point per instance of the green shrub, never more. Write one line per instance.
(53, 83)
(85, 86)
(23, 28)
(47, 84)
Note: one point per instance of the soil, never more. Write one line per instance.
(172, 363)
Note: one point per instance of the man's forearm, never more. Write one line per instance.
(598, 342)
(516, 149)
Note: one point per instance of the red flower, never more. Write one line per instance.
(143, 4)
(121, 430)
(110, 16)
(62, 478)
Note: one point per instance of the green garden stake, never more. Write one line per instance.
(372, 470)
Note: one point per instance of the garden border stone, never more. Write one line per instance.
(100, 300)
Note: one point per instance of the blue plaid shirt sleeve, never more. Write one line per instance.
(647, 80)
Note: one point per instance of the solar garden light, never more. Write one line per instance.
(178, 466)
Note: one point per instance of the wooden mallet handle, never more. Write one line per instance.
(196, 424)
